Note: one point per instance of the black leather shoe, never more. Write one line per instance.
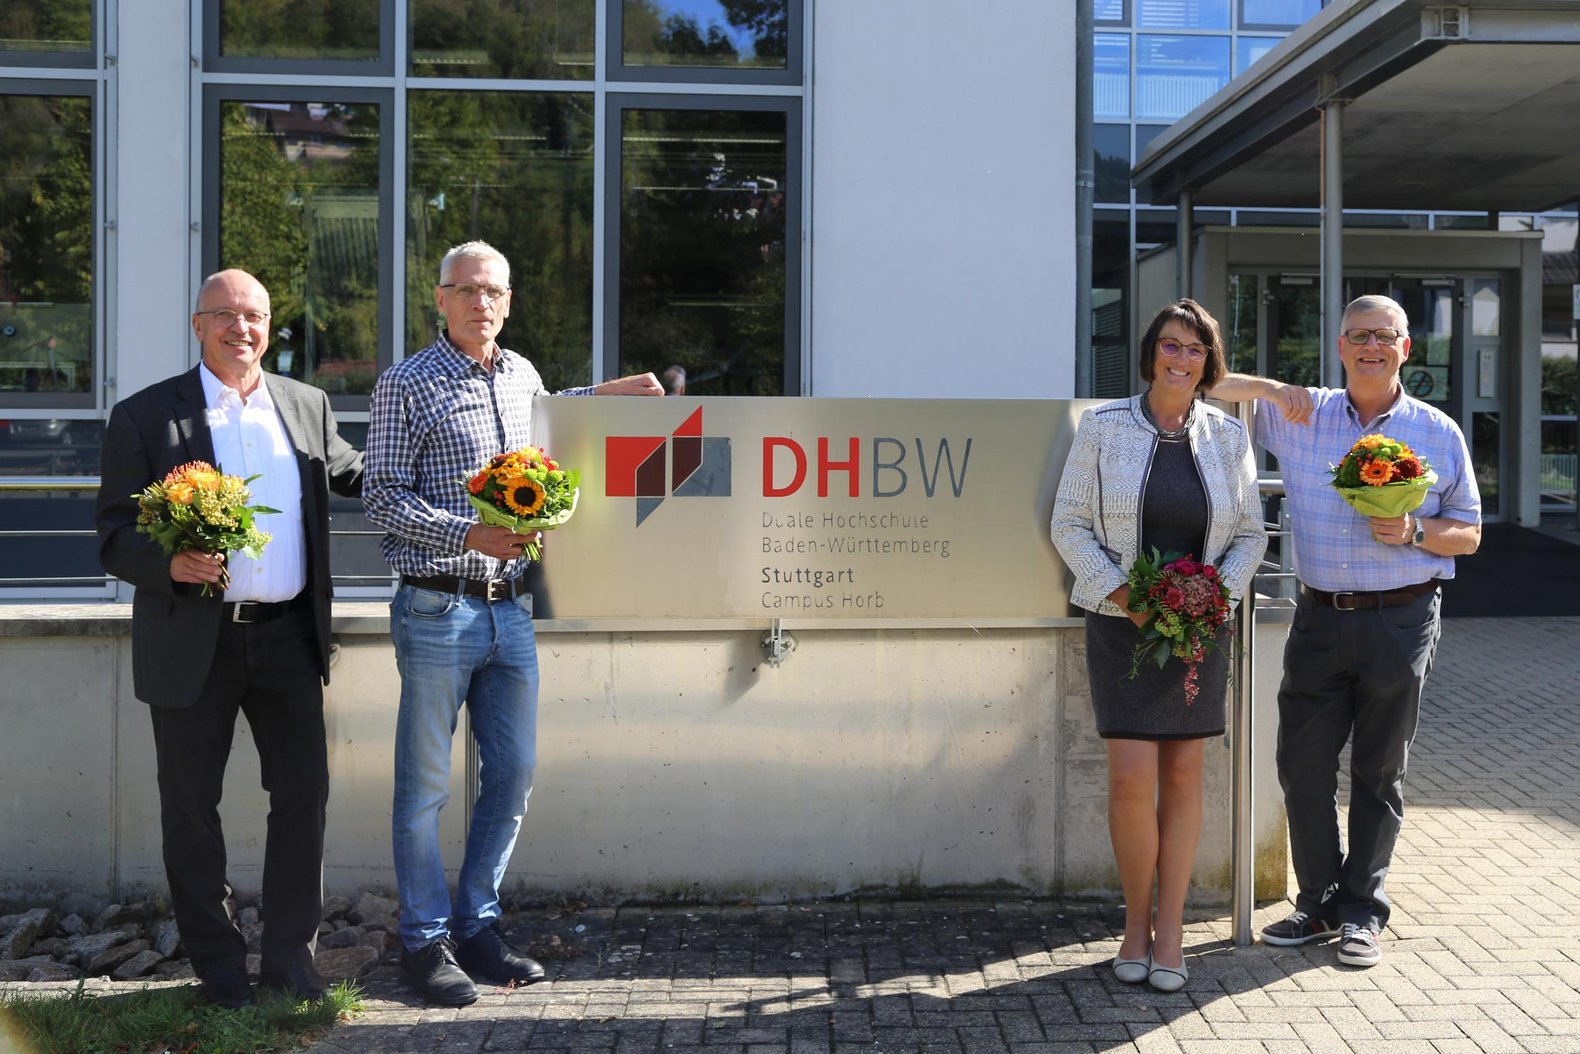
(433, 971)
(300, 981)
(227, 987)
(489, 956)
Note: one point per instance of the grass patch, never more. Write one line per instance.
(166, 1021)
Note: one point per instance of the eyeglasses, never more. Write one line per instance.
(467, 291)
(1171, 348)
(1385, 337)
(226, 318)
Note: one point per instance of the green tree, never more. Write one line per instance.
(1558, 385)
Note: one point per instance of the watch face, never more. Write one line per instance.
(1420, 532)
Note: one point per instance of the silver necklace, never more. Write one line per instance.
(1168, 435)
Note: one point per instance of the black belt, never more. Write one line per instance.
(1356, 601)
(250, 612)
(491, 590)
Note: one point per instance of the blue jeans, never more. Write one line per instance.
(452, 649)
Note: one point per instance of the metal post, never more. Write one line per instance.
(1332, 239)
(1242, 826)
(1184, 224)
(1085, 191)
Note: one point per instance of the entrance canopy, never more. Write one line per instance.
(1473, 107)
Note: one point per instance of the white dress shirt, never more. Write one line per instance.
(249, 439)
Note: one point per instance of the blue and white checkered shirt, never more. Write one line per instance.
(1334, 548)
(436, 418)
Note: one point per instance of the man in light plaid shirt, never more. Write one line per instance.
(461, 620)
(1366, 623)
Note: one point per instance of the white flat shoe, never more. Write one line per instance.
(1168, 978)
(1133, 971)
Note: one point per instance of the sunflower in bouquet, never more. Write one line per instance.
(525, 490)
(1382, 477)
(196, 506)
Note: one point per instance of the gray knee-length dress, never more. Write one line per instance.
(1152, 706)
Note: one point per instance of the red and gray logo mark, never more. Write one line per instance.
(698, 466)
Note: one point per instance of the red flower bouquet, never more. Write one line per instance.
(1185, 603)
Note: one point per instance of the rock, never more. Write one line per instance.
(174, 971)
(375, 910)
(346, 938)
(325, 929)
(337, 964)
(373, 938)
(121, 914)
(85, 946)
(137, 965)
(18, 932)
(55, 946)
(54, 971)
(335, 907)
(166, 937)
(72, 925)
(247, 916)
(114, 956)
(18, 969)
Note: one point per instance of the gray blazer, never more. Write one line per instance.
(174, 628)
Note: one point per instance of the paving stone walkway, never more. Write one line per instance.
(1483, 956)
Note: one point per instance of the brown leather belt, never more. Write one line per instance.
(490, 590)
(1357, 601)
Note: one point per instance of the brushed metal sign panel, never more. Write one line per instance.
(806, 508)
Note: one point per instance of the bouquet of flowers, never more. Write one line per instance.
(1185, 602)
(525, 490)
(1382, 477)
(196, 506)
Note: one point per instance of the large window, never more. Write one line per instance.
(46, 33)
(342, 185)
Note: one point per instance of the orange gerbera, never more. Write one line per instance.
(1376, 472)
(476, 484)
(524, 496)
(179, 492)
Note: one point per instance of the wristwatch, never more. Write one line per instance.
(1418, 535)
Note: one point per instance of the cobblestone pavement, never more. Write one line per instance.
(1483, 954)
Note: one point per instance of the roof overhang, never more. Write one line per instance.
(1474, 107)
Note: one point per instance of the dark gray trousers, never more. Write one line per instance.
(1347, 672)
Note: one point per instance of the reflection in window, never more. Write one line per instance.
(515, 170)
(1109, 12)
(299, 208)
(1251, 49)
(702, 247)
(524, 39)
(1289, 13)
(1111, 75)
(1486, 443)
(46, 25)
(1484, 306)
(1182, 14)
(299, 29)
(1111, 358)
(1174, 75)
(1111, 144)
(1239, 328)
(46, 243)
(749, 34)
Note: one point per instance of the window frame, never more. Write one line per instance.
(791, 75)
(614, 166)
(216, 94)
(90, 399)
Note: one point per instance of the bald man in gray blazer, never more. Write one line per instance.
(258, 645)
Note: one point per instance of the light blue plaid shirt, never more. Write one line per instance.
(1334, 548)
(436, 418)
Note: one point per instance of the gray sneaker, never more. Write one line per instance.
(1299, 928)
(1359, 945)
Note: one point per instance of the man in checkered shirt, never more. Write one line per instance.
(461, 620)
(1366, 623)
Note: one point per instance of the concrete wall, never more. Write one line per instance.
(671, 765)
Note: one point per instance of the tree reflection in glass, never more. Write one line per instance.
(520, 39)
(299, 208)
(702, 248)
(516, 170)
(746, 34)
(46, 243)
(46, 25)
(299, 29)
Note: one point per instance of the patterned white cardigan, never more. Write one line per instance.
(1097, 514)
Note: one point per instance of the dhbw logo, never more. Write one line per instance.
(699, 466)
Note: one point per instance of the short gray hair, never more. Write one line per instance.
(1373, 302)
(474, 250)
